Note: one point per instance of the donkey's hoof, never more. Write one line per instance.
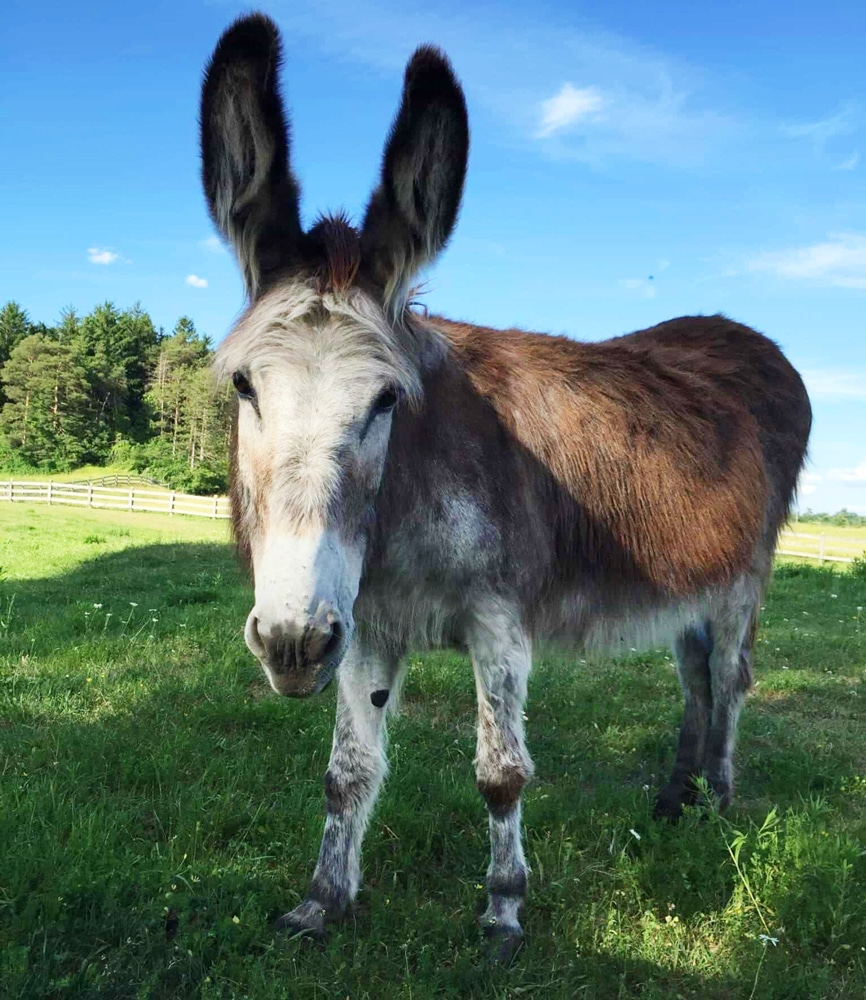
(669, 804)
(672, 799)
(504, 941)
(306, 920)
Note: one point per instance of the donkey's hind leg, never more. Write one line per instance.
(692, 650)
(730, 679)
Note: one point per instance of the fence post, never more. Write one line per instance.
(50, 483)
(131, 495)
(171, 502)
(215, 506)
(821, 549)
(90, 494)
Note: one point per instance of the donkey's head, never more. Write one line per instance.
(326, 355)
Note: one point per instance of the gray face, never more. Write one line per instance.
(316, 400)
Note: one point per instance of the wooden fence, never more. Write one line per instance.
(134, 498)
(821, 547)
(122, 479)
(799, 544)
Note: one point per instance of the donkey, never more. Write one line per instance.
(401, 481)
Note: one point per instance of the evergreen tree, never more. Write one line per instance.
(180, 356)
(110, 384)
(14, 327)
(47, 412)
(119, 349)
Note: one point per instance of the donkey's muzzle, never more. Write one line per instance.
(299, 659)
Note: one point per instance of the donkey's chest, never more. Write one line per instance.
(445, 541)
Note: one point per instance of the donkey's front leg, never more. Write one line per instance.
(355, 774)
(501, 657)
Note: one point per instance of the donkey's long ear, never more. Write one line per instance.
(250, 190)
(413, 211)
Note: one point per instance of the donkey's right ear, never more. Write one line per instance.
(251, 192)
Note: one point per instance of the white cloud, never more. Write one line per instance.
(641, 286)
(567, 107)
(850, 163)
(102, 255)
(635, 102)
(213, 244)
(840, 262)
(196, 281)
(808, 483)
(834, 385)
(843, 122)
(854, 477)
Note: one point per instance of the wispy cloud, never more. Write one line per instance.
(624, 100)
(567, 107)
(213, 244)
(645, 287)
(854, 477)
(196, 281)
(850, 163)
(835, 385)
(820, 132)
(838, 262)
(102, 255)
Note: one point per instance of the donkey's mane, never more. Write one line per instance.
(293, 323)
(335, 246)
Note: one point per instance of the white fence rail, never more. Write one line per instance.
(821, 547)
(135, 498)
(799, 544)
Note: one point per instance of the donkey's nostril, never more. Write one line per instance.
(322, 638)
(333, 644)
(253, 636)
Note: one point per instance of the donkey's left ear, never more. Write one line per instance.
(412, 213)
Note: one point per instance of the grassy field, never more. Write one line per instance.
(81, 474)
(158, 807)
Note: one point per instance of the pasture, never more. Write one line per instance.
(158, 806)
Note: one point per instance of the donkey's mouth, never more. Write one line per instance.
(301, 684)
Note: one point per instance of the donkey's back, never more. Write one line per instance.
(663, 462)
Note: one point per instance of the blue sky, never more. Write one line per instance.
(630, 162)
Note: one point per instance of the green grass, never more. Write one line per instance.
(81, 474)
(158, 807)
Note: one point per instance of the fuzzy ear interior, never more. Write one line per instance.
(412, 213)
(250, 189)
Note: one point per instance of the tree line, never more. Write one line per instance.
(110, 387)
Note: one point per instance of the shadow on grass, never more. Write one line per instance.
(159, 810)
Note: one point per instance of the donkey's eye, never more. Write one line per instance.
(242, 384)
(385, 401)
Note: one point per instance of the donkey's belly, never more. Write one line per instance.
(588, 622)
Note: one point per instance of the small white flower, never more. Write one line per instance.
(634, 833)
(133, 604)
(766, 939)
(97, 605)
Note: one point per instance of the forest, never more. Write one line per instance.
(112, 388)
